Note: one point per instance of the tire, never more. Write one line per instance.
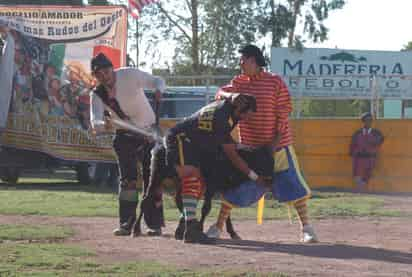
(10, 175)
(83, 173)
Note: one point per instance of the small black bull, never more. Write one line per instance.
(219, 176)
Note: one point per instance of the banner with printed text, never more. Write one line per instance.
(344, 74)
(48, 61)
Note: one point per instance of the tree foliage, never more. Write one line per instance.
(206, 33)
(407, 47)
(177, 21)
(228, 24)
(281, 19)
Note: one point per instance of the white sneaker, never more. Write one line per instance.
(309, 235)
(214, 232)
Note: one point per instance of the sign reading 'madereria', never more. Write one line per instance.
(337, 73)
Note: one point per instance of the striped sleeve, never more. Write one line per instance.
(226, 88)
(283, 107)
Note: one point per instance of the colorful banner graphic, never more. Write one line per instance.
(51, 81)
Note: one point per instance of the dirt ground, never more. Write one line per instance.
(348, 247)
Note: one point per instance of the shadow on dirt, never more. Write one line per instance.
(332, 251)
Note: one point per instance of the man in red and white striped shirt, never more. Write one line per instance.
(268, 126)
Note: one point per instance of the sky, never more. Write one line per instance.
(360, 25)
(370, 25)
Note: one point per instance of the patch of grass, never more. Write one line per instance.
(57, 202)
(31, 180)
(322, 205)
(43, 259)
(60, 260)
(34, 232)
(347, 205)
(90, 201)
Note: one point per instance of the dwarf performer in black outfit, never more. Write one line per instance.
(196, 141)
(122, 92)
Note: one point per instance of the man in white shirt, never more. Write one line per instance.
(7, 70)
(122, 90)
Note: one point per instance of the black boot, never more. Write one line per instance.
(180, 229)
(155, 233)
(127, 217)
(194, 234)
